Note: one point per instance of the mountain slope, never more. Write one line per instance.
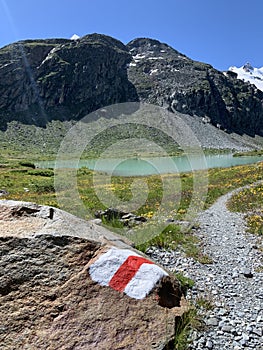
(64, 79)
(165, 77)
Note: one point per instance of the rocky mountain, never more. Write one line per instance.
(62, 79)
(250, 74)
(65, 79)
(166, 77)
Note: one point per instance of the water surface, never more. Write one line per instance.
(155, 165)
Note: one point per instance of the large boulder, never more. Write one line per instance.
(66, 283)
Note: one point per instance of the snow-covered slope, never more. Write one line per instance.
(249, 73)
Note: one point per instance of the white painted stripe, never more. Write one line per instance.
(107, 265)
(144, 281)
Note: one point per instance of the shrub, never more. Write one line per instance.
(27, 164)
(42, 172)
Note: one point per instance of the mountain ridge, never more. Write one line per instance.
(48, 79)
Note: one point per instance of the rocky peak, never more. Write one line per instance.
(150, 49)
(248, 67)
(165, 77)
(248, 73)
(103, 40)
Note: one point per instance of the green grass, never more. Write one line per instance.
(250, 201)
(186, 282)
(255, 152)
(188, 322)
(17, 175)
(171, 238)
(205, 303)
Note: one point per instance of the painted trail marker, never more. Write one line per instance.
(126, 271)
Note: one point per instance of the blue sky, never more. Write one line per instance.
(219, 32)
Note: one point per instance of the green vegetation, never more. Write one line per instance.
(186, 282)
(255, 152)
(250, 201)
(189, 321)
(205, 303)
(19, 178)
(222, 181)
(171, 238)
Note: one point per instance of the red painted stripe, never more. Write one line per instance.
(126, 272)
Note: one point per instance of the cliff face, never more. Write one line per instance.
(67, 79)
(62, 79)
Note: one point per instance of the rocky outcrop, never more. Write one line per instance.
(63, 79)
(50, 295)
(123, 217)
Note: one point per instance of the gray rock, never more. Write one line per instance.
(209, 344)
(213, 321)
(62, 295)
(257, 331)
(3, 193)
(223, 312)
(227, 329)
(245, 336)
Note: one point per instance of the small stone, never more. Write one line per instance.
(3, 193)
(245, 336)
(235, 274)
(257, 332)
(221, 324)
(222, 312)
(243, 342)
(213, 321)
(248, 328)
(209, 344)
(247, 273)
(96, 221)
(227, 329)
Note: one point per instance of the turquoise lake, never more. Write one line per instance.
(155, 165)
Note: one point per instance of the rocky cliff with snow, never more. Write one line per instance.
(249, 74)
(65, 79)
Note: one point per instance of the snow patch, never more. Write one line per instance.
(139, 57)
(155, 58)
(153, 71)
(50, 55)
(75, 37)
